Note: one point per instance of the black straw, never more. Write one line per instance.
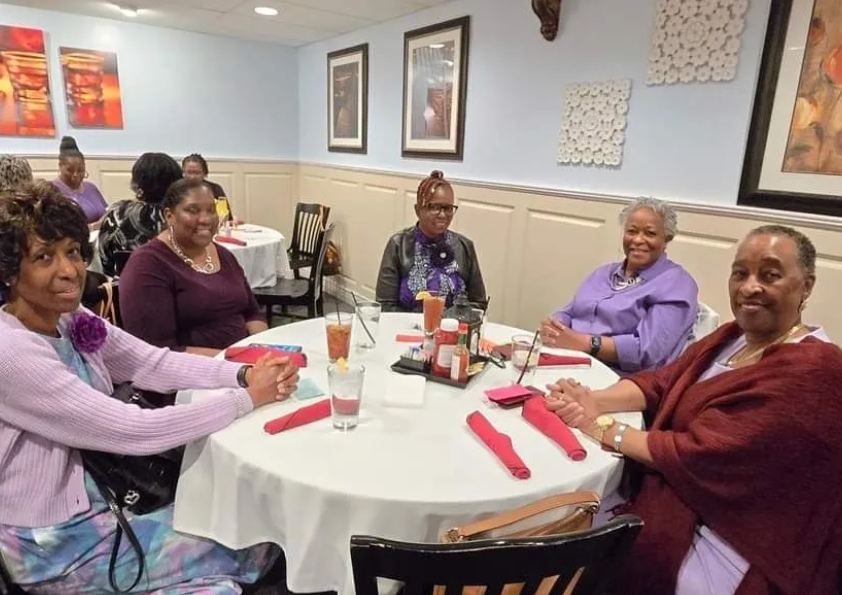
(360, 318)
(528, 357)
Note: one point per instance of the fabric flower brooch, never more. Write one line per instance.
(87, 332)
(441, 255)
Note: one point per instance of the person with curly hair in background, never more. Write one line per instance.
(129, 224)
(14, 172)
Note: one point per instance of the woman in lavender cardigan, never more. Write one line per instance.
(635, 314)
(59, 365)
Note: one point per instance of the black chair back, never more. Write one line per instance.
(591, 557)
(121, 257)
(310, 220)
(321, 253)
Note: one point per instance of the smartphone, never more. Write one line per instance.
(284, 348)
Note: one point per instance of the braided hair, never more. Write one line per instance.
(196, 158)
(428, 187)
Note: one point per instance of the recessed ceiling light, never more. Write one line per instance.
(266, 11)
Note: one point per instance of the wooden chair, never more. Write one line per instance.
(310, 221)
(298, 292)
(585, 562)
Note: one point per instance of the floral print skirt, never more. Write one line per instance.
(73, 558)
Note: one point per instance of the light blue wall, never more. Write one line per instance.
(182, 92)
(684, 142)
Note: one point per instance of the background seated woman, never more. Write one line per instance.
(636, 314)
(738, 478)
(72, 183)
(195, 166)
(428, 256)
(129, 224)
(58, 365)
(181, 290)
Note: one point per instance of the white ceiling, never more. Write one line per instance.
(298, 22)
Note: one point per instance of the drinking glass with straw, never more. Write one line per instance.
(525, 353)
(338, 331)
(366, 325)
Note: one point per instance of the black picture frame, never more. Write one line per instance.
(750, 193)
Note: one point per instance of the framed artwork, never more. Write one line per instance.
(347, 100)
(794, 154)
(435, 80)
(26, 105)
(91, 88)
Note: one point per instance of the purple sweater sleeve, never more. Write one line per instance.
(41, 395)
(665, 325)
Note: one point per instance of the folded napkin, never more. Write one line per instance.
(409, 337)
(536, 413)
(299, 417)
(230, 240)
(404, 390)
(250, 355)
(500, 444)
(307, 389)
(548, 359)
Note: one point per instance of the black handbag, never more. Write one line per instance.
(140, 484)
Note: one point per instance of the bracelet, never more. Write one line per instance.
(618, 437)
(241, 376)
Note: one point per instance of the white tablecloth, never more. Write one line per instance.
(264, 257)
(403, 473)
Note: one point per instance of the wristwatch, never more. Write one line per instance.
(242, 376)
(603, 422)
(596, 345)
(618, 437)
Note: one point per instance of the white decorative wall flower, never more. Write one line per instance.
(696, 40)
(595, 117)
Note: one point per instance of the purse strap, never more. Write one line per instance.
(123, 526)
(106, 306)
(588, 501)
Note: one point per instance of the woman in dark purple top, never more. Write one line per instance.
(182, 291)
(72, 183)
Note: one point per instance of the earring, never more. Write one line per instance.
(802, 306)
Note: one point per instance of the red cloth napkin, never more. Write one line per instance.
(548, 359)
(250, 355)
(549, 424)
(230, 240)
(500, 444)
(299, 417)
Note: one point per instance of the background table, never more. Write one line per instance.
(403, 473)
(264, 257)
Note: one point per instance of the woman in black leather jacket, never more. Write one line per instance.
(428, 256)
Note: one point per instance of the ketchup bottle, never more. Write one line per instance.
(446, 338)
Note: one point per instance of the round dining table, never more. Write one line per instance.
(261, 251)
(406, 472)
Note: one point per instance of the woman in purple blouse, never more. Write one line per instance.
(636, 314)
(182, 291)
(428, 256)
(72, 182)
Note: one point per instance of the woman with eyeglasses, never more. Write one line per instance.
(73, 184)
(428, 256)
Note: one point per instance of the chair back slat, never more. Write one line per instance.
(590, 559)
(322, 242)
(310, 221)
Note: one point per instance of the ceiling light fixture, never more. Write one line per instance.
(266, 11)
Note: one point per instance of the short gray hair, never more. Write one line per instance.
(664, 209)
(14, 172)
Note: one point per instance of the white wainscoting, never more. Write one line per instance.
(536, 246)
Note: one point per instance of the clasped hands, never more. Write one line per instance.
(555, 334)
(574, 403)
(272, 378)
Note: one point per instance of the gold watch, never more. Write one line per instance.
(603, 423)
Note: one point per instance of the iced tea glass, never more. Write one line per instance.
(338, 331)
(433, 311)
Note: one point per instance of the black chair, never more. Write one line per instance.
(121, 257)
(298, 292)
(310, 221)
(591, 558)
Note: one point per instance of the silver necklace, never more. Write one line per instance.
(205, 269)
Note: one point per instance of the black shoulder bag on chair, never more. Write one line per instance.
(139, 484)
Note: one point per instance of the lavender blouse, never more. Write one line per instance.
(649, 321)
(88, 197)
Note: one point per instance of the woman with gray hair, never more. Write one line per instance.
(14, 171)
(635, 314)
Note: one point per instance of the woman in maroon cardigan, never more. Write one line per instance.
(182, 291)
(739, 477)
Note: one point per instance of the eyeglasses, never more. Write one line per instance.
(438, 209)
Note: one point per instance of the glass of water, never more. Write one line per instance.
(345, 383)
(366, 326)
(521, 344)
